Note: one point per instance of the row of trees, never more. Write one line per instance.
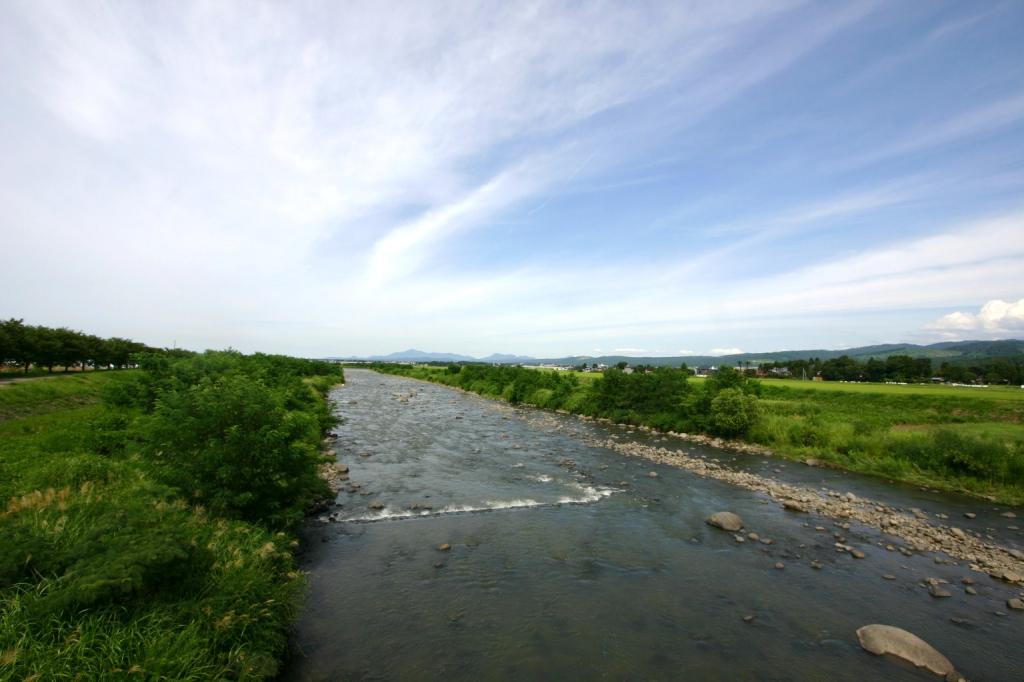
(663, 397)
(905, 368)
(26, 346)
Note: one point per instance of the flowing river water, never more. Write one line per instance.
(571, 562)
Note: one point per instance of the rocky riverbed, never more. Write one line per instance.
(470, 539)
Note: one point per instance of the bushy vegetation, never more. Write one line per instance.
(147, 528)
(662, 397)
(912, 436)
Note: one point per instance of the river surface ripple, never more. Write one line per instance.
(570, 562)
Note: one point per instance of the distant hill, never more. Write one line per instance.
(422, 356)
(950, 351)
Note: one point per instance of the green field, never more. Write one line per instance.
(989, 392)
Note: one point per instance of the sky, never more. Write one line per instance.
(674, 178)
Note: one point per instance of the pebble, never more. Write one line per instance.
(444, 548)
(779, 565)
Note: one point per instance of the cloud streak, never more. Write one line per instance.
(542, 178)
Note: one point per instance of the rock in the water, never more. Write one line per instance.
(1008, 515)
(886, 639)
(793, 505)
(444, 548)
(779, 565)
(938, 592)
(726, 521)
(652, 474)
(969, 515)
(748, 619)
(1015, 603)
(377, 505)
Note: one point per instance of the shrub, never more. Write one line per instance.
(733, 412)
(230, 443)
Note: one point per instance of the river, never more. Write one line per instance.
(571, 562)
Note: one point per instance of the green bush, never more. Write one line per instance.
(121, 551)
(733, 412)
(231, 444)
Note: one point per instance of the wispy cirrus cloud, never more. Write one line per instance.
(469, 177)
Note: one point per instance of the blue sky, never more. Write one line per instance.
(538, 178)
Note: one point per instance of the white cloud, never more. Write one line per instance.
(995, 318)
(725, 351)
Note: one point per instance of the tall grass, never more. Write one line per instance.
(118, 556)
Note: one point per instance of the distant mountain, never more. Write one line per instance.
(422, 356)
(951, 351)
(506, 359)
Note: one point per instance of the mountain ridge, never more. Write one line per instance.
(954, 351)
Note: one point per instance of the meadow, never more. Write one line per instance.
(148, 519)
(962, 439)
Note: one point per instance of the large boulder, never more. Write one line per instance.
(886, 639)
(726, 521)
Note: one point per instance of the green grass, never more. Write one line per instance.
(51, 394)
(106, 571)
(987, 392)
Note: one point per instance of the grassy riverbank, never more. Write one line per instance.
(966, 440)
(148, 516)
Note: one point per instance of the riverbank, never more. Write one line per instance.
(910, 527)
(138, 535)
(964, 443)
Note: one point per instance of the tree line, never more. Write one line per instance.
(26, 346)
(662, 397)
(903, 368)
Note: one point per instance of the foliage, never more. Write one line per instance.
(24, 346)
(733, 412)
(142, 534)
(903, 368)
(232, 444)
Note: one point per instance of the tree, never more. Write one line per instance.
(233, 445)
(733, 412)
